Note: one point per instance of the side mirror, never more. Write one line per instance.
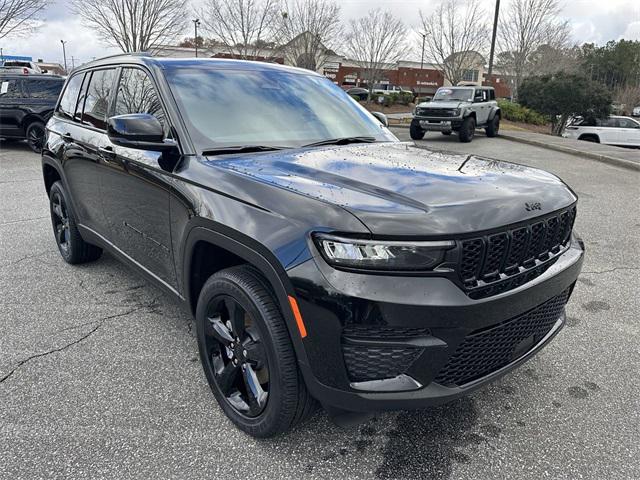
(138, 130)
(382, 118)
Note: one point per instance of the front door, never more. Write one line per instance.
(135, 189)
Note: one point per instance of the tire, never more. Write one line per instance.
(72, 247)
(446, 133)
(416, 132)
(35, 135)
(264, 344)
(590, 138)
(493, 127)
(467, 130)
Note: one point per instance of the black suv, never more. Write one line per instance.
(323, 259)
(26, 103)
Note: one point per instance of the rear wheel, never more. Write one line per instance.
(247, 354)
(416, 132)
(493, 127)
(467, 130)
(70, 244)
(35, 134)
(590, 138)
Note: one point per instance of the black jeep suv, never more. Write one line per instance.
(323, 260)
(26, 103)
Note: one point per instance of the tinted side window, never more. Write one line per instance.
(69, 98)
(137, 94)
(43, 88)
(11, 88)
(626, 123)
(492, 94)
(96, 104)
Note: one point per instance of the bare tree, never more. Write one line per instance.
(307, 30)
(246, 28)
(16, 16)
(375, 42)
(454, 35)
(134, 25)
(527, 26)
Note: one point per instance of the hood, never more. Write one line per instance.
(450, 104)
(397, 188)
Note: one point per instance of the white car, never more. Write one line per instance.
(21, 66)
(624, 131)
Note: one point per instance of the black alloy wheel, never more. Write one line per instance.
(236, 356)
(247, 353)
(35, 136)
(71, 245)
(60, 219)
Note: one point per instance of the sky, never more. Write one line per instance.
(596, 21)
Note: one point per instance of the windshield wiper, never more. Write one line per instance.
(342, 141)
(240, 149)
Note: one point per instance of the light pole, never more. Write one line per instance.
(424, 36)
(493, 39)
(196, 24)
(64, 54)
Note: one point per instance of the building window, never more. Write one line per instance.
(470, 76)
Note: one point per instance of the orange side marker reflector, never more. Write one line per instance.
(298, 317)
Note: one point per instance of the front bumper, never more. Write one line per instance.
(416, 333)
(445, 124)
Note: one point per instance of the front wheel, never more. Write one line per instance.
(416, 132)
(35, 134)
(493, 127)
(247, 354)
(467, 130)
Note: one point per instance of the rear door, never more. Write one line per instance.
(12, 100)
(629, 132)
(81, 125)
(135, 189)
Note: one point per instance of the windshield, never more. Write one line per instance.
(455, 94)
(267, 107)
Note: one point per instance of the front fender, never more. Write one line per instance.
(253, 253)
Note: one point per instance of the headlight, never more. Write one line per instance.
(380, 254)
(456, 112)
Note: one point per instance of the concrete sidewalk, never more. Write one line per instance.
(620, 157)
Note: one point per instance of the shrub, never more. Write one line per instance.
(562, 96)
(517, 113)
(355, 97)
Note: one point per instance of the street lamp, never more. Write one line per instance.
(196, 24)
(424, 36)
(64, 54)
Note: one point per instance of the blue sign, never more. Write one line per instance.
(17, 57)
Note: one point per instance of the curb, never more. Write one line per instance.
(616, 162)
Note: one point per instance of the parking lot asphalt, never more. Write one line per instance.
(100, 378)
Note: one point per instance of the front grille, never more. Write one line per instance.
(435, 112)
(375, 362)
(526, 251)
(487, 350)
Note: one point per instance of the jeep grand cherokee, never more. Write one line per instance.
(324, 261)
